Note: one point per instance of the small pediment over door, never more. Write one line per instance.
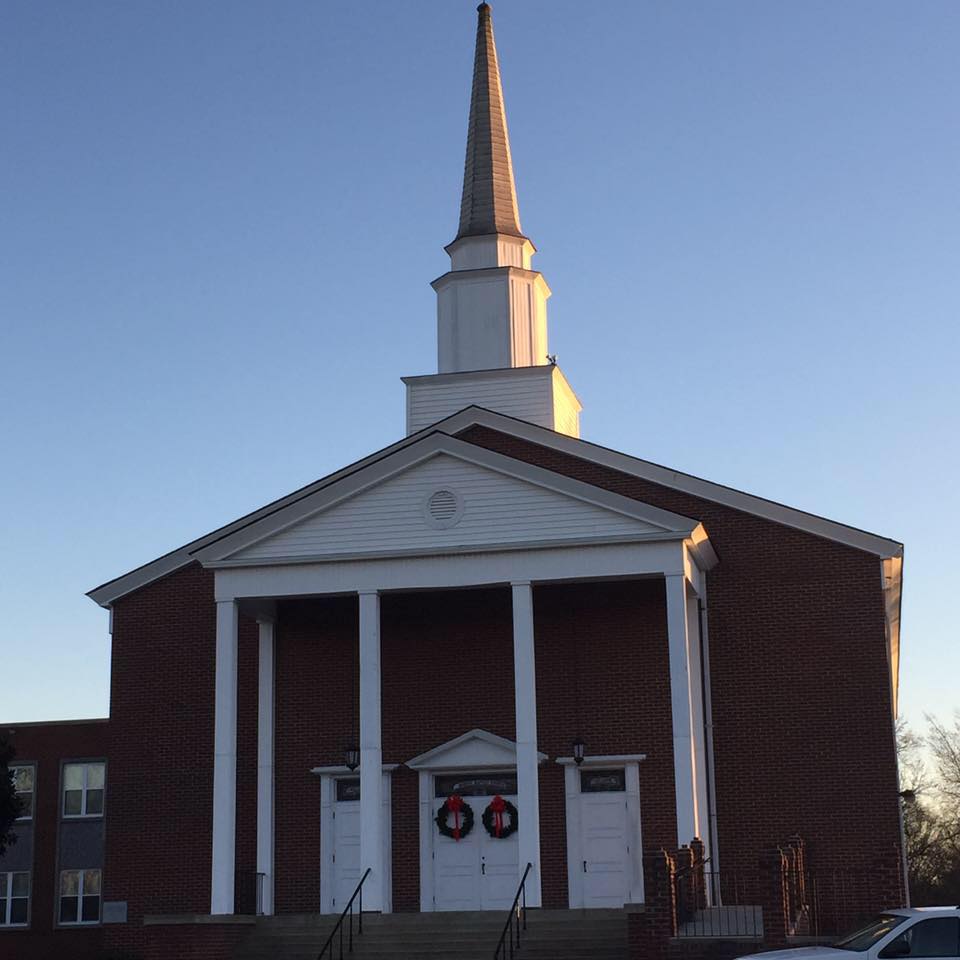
(474, 750)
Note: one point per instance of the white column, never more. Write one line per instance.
(225, 761)
(682, 698)
(371, 753)
(525, 698)
(265, 789)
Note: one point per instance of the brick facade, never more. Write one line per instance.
(797, 658)
(797, 652)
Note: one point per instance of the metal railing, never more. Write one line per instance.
(516, 921)
(713, 904)
(338, 929)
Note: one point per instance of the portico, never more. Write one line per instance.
(255, 569)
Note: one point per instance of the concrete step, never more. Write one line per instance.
(550, 935)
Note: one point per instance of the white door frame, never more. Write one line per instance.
(328, 798)
(474, 751)
(571, 775)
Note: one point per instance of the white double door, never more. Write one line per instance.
(476, 872)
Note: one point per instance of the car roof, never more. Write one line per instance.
(921, 911)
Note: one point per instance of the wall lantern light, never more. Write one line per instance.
(578, 748)
(353, 758)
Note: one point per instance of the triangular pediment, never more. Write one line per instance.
(474, 750)
(445, 496)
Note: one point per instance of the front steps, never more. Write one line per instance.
(550, 935)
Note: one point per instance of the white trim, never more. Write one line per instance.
(371, 753)
(79, 922)
(425, 798)
(572, 793)
(428, 760)
(712, 826)
(525, 710)
(265, 773)
(603, 760)
(452, 550)
(224, 812)
(85, 766)
(673, 479)
(682, 695)
(6, 902)
(419, 452)
(600, 562)
(328, 799)
(120, 586)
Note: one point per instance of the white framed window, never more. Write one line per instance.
(23, 787)
(14, 899)
(80, 896)
(83, 788)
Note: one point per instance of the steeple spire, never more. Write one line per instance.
(489, 203)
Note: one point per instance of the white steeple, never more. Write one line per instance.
(491, 306)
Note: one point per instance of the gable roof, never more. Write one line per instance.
(374, 511)
(112, 590)
(476, 749)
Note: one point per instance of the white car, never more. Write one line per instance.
(929, 932)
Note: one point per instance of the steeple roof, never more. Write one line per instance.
(489, 203)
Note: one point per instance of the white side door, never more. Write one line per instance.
(346, 851)
(605, 848)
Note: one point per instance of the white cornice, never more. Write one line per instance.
(882, 547)
(664, 476)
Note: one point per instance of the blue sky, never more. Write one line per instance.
(220, 220)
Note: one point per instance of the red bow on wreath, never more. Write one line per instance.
(498, 805)
(455, 805)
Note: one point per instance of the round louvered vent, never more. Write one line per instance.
(443, 508)
(443, 505)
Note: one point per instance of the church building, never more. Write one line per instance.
(490, 645)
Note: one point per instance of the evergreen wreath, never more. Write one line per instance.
(490, 819)
(455, 805)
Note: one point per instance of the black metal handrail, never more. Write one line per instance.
(348, 909)
(518, 910)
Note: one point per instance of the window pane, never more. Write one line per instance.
(73, 776)
(3, 886)
(476, 784)
(21, 885)
(69, 883)
(603, 781)
(934, 938)
(68, 909)
(91, 882)
(91, 909)
(71, 802)
(95, 776)
(18, 910)
(94, 801)
(348, 789)
(23, 779)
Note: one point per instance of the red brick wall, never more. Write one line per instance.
(801, 702)
(160, 772)
(603, 673)
(46, 745)
(447, 668)
(316, 678)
